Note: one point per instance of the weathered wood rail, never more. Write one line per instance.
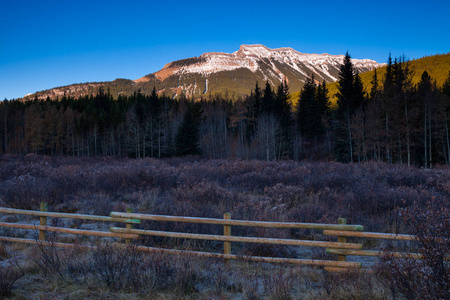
(230, 222)
(342, 248)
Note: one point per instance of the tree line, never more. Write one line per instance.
(395, 122)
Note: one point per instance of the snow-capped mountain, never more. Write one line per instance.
(231, 74)
(237, 72)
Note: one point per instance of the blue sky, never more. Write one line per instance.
(44, 44)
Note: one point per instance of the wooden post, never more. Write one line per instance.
(227, 232)
(342, 239)
(129, 225)
(43, 221)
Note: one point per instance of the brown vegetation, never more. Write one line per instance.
(371, 194)
(428, 278)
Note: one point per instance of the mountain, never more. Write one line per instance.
(231, 74)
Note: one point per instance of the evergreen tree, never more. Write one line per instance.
(306, 108)
(281, 103)
(374, 90)
(350, 97)
(389, 75)
(345, 88)
(282, 111)
(388, 93)
(257, 95)
(268, 99)
(154, 126)
(446, 112)
(426, 93)
(446, 86)
(358, 98)
(187, 138)
(254, 102)
(322, 105)
(399, 108)
(323, 99)
(312, 108)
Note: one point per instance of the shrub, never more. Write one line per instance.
(428, 277)
(101, 204)
(128, 269)
(115, 267)
(26, 192)
(50, 259)
(9, 274)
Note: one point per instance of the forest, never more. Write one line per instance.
(396, 121)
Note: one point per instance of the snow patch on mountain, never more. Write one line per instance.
(248, 57)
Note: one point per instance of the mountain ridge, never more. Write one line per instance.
(233, 74)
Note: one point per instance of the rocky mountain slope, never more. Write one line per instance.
(231, 74)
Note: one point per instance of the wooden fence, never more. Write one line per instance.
(342, 248)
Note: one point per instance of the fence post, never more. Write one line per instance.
(227, 232)
(342, 239)
(43, 221)
(129, 225)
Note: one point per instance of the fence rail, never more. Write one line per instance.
(374, 235)
(65, 215)
(69, 230)
(342, 248)
(371, 253)
(230, 222)
(222, 238)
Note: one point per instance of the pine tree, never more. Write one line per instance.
(358, 98)
(399, 108)
(350, 97)
(389, 75)
(322, 98)
(345, 87)
(253, 111)
(306, 107)
(426, 94)
(257, 95)
(282, 111)
(388, 93)
(281, 104)
(187, 138)
(268, 99)
(446, 112)
(154, 126)
(374, 90)
(312, 108)
(446, 86)
(322, 105)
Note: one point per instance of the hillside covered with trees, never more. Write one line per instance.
(396, 118)
(437, 66)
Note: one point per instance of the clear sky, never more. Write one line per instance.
(44, 44)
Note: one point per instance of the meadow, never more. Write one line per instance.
(375, 195)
